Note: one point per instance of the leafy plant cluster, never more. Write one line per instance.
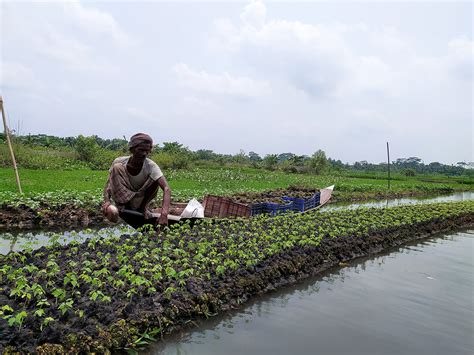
(53, 199)
(41, 158)
(51, 286)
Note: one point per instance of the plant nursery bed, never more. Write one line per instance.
(117, 294)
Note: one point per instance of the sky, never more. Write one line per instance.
(269, 77)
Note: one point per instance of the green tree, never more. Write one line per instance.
(240, 157)
(254, 157)
(204, 154)
(173, 148)
(318, 161)
(86, 148)
(270, 161)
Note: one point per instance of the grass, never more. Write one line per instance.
(37, 181)
(224, 181)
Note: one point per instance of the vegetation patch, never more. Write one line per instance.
(123, 291)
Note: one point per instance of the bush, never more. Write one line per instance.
(270, 162)
(409, 172)
(318, 162)
(288, 167)
(40, 158)
(171, 160)
(102, 159)
(86, 148)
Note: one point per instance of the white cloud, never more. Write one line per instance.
(358, 78)
(69, 33)
(140, 114)
(96, 22)
(69, 51)
(254, 14)
(324, 60)
(312, 58)
(18, 76)
(223, 84)
(461, 58)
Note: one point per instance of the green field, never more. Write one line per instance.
(198, 182)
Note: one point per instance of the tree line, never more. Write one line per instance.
(98, 152)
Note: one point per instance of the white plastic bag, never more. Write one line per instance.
(193, 210)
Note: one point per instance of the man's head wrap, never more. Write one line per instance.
(139, 138)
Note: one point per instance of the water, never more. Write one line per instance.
(34, 239)
(458, 196)
(414, 300)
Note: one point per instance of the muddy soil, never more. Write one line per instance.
(115, 325)
(65, 216)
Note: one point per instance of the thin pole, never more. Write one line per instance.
(7, 134)
(388, 161)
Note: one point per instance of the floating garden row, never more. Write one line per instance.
(119, 291)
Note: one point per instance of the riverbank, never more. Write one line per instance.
(134, 286)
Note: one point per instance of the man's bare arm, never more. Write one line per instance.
(165, 206)
(107, 196)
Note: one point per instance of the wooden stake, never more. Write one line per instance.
(7, 134)
(388, 162)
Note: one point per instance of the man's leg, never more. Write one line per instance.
(135, 220)
(149, 194)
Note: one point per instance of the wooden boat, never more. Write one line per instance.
(224, 207)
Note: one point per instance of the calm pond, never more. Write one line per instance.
(417, 299)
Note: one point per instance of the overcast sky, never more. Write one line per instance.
(268, 77)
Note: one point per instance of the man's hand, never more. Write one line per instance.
(110, 212)
(163, 220)
(105, 205)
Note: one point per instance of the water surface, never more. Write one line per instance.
(458, 196)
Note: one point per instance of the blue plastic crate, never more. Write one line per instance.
(276, 208)
(258, 208)
(270, 208)
(301, 204)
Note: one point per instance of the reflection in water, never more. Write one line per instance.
(34, 240)
(459, 196)
(413, 300)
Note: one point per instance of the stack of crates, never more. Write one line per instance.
(302, 204)
(223, 207)
(270, 208)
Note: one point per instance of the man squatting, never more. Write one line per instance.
(133, 182)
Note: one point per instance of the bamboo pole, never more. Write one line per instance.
(7, 134)
(388, 165)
